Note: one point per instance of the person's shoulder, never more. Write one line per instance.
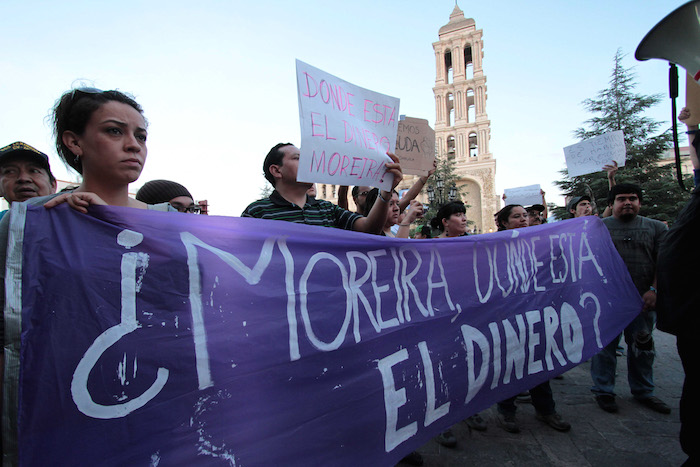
(324, 203)
(164, 207)
(41, 200)
(38, 200)
(338, 211)
(257, 208)
(610, 220)
(657, 225)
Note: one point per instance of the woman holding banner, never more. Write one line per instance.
(514, 216)
(451, 221)
(392, 214)
(102, 135)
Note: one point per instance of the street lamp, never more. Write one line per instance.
(441, 196)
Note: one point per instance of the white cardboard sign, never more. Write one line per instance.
(591, 155)
(346, 130)
(524, 195)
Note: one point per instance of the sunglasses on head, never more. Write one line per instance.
(85, 90)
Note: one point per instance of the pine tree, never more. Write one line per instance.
(445, 170)
(619, 108)
(266, 190)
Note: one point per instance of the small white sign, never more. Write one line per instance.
(591, 155)
(346, 130)
(524, 195)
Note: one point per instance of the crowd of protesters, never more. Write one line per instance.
(102, 136)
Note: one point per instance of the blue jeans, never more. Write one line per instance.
(640, 358)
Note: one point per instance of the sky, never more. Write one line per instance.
(217, 78)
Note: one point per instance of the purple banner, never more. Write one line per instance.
(152, 337)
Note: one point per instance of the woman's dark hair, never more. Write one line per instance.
(73, 111)
(372, 198)
(503, 215)
(445, 212)
(425, 230)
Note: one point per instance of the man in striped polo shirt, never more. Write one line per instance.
(289, 201)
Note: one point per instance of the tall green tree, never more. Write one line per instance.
(619, 108)
(445, 171)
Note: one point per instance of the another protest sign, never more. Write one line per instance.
(346, 130)
(152, 338)
(524, 195)
(591, 155)
(415, 146)
(692, 100)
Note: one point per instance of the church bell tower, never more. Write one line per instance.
(462, 127)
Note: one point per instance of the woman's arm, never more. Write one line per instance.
(415, 211)
(77, 200)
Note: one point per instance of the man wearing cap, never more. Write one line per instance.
(24, 173)
(580, 206)
(537, 213)
(166, 191)
(534, 214)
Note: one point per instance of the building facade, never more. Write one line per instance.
(462, 126)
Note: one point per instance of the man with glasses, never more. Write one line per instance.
(24, 173)
(359, 196)
(534, 214)
(165, 191)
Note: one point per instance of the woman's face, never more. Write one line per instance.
(113, 145)
(392, 215)
(517, 218)
(455, 225)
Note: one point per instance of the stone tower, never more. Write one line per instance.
(462, 127)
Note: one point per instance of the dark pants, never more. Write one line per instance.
(690, 398)
(542, 400)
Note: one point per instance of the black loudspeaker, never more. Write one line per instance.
(675, 38)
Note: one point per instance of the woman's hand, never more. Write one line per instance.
(684, 115)
(77, 200)
(414, 212)
(394, 168)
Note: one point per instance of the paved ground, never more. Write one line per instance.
(635, 436)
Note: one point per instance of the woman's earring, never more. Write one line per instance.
(76, 161)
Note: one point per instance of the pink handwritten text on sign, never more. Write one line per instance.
(346, 130)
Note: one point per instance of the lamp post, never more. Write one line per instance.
(438, 197)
